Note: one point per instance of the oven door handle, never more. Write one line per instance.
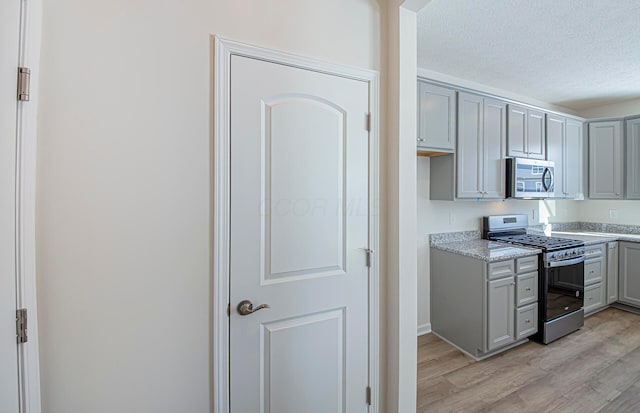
(564, 263)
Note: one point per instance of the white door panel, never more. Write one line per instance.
(299, 223)
(9, 30)
(315, 130)
(318, 339)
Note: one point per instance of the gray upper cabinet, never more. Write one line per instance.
(629, 266)
(436, 118)
(605, 160)
(572, 162)
(494, 148)
(556, 148)
(481, 147)
(633, 159)
(526, 133)
(564, 147)
(536, 136)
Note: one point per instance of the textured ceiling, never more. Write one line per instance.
(573, 53)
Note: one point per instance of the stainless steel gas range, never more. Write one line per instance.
(560, 269)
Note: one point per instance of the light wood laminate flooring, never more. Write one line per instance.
(596, 369)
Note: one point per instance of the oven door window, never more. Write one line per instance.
(565, 290)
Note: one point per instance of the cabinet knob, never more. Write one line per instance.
(420, 139)
(527, 321)
(528, 289)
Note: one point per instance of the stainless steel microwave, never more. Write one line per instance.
(530, 178)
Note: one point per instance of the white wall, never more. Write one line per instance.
(435, 217)
(614, 110)
(124, 188)
(624, 212)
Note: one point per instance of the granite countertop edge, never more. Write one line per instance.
(595, 237)
(479, 249)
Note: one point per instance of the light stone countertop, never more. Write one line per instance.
(592, 238)
(485, 250)
(587, 238)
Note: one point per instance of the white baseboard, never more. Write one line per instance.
(424, 329)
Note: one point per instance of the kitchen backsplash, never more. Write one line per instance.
(597, 227)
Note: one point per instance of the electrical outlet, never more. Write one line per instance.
(452, 218)
(613, 214)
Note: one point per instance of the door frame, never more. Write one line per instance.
(25, 237)
(222, 51)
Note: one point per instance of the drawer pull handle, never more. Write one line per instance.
(528, 289)
(527, 321)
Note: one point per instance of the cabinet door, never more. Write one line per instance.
(594, 297)
(629, 266)
(436, 117)
(593, 271)
(517, 132)
(495, 142)
(605, 160)
(633, 159)
(536, 136)
(526, 288)
(500, 313)
(556, 151)
(612, 272)
(572, 161)
(526, 321)
(470, 146)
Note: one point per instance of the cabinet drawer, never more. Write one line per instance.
(501, 269)
(593, 251)
(527, 264)
(593, 297)
(593, 271)
(526, 288)
(526, 321)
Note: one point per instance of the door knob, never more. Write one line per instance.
(245, 307)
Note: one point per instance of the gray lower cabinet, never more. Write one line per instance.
(629, 266)
(594, 297)
(633, 159)
(500, 305)
(526, 321)
(482, 307)
(605, 160)
(595, 281)
(612, 272)
(436, 118)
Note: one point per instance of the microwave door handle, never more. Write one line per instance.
(544, 183)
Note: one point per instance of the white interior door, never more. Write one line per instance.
(9, 32)
(299, 227)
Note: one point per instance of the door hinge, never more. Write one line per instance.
(24, 83)
(368, 122)
(369, 395)
(369, 256)
(21, 325)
